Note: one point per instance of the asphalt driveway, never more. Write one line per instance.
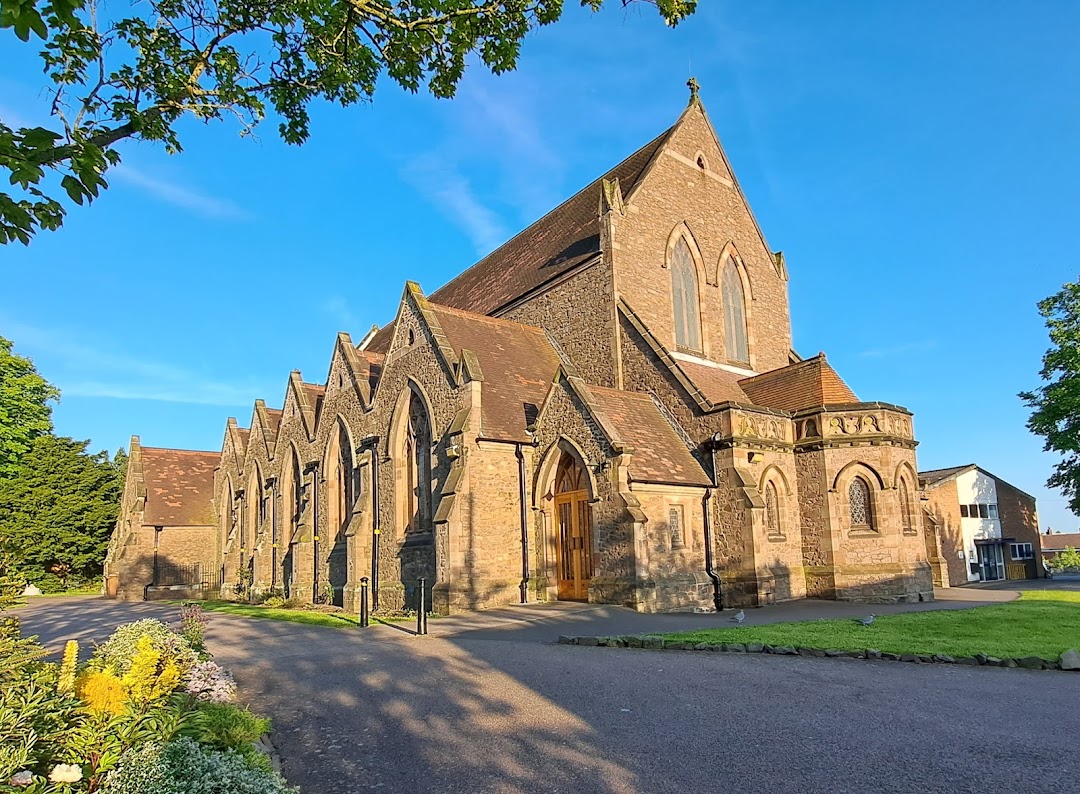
(489, 704)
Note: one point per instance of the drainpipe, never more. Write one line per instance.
(524, 525)
(373, 443)
(718, 600)
(272, 485)
(315, 531)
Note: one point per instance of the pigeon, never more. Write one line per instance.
(865, 621)
(739, 616)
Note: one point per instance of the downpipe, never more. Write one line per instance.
(524, 525)
(718, 595)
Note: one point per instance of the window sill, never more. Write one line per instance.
(911, 532)
(423, 538)
(776, 538)
(863, 532)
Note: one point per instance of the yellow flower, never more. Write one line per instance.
(67, 668)
(102, 692)
(150, 677)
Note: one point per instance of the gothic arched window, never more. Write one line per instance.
(772, 509)
(735, 345)
(345, 480)
(418, 463)
(297, 491)
(859, 504)
(684, 298)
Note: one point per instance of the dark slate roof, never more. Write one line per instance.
(566, 237)
(517, 362)
(935, 476)
(179, 486)
(659, 453)
(807, 384)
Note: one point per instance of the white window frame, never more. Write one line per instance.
(1028, 552)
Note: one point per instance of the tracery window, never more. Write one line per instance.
(297, 492)
(772, 509)
(418, 463)
(859, 503)
(735, 345)
(684, 295)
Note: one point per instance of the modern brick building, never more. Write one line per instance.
(987, 529)
(606, 408)
(1055, 543)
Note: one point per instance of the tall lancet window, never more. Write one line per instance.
(735, 345)
(684, 295)
(418, 461)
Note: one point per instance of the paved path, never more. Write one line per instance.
(487, 704)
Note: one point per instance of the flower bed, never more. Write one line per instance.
(149, 713)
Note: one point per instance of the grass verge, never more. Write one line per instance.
(1041, 623)
(310, 618)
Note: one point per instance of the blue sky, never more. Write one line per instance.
(917, 163)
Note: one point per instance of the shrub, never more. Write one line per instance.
(274, 601)
(118, 651)
(227, 727)
(185, 766)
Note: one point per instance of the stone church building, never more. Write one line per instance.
(607, 408)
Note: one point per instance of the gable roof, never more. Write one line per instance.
(566, 237)
(517, 364)
(935, 477)
(179, 486)
(806, 384)
(659, 454)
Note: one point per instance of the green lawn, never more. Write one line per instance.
(1041, 623)
(311, 618)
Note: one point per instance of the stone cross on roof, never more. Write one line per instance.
(695, 88)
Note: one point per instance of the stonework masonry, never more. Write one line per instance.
(539, 429)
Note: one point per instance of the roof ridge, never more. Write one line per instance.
(184, 451)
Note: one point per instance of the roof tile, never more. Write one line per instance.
(179, 486)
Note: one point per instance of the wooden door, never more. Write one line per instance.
(573, 519)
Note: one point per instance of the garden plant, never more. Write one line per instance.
(148, 713)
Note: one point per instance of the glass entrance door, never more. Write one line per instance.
(992, 562)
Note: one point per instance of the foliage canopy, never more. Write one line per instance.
(1056, 405)
(57, 514)
(116, 77)
(25, 412)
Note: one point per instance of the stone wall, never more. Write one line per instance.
(579, 314)
(679, 194)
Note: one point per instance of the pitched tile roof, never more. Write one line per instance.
(660, 455)
(179, 486)
(1060, 541)
(517, 363)
(566, 237)
(717, 385)
(806, 384)
(934, 476)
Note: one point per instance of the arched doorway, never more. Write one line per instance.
(573, 522)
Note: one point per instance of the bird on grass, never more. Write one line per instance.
(865, 621)
(738, 617)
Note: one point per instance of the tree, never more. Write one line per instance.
(25, 412)
(1056, 405)
(137, 76)
(1069, 559)
(57, 513)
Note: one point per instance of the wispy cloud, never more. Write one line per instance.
(899, 350)
(338, 309)
(453, 194)
(182, 196)
(82, 370)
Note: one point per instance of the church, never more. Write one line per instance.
(607, 408)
